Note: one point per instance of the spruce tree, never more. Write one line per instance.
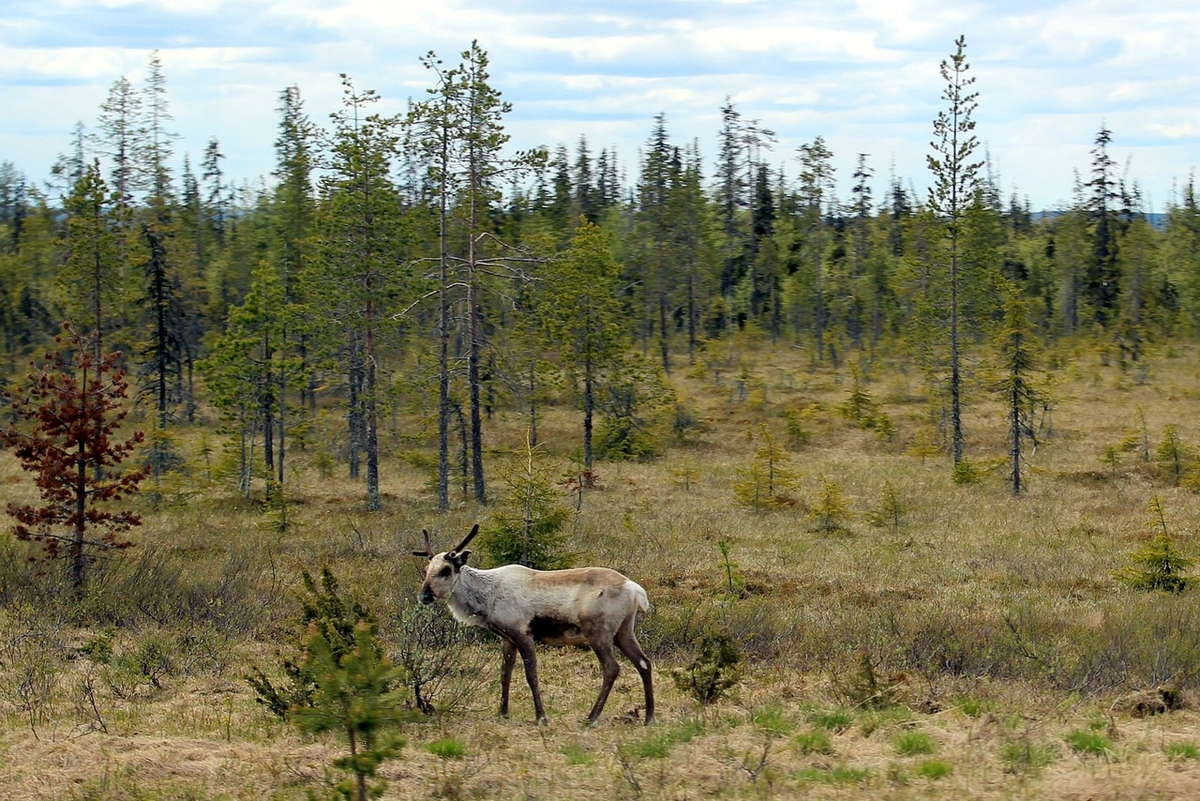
(816, 185)
(580, 312)
(955, 176)
(75, 403)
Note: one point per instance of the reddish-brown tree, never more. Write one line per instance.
(74, 402)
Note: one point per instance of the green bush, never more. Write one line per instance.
(713, 671)
(334, 620)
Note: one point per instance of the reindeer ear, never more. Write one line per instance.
(459, 558)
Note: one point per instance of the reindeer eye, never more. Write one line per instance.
(445, 571)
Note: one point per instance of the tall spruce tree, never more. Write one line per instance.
(580, 311)
(356, 276)
(955, 178)
(816, 186)
(88, 279)
(460, 130)
(1102, 278)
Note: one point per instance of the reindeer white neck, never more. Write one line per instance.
(472, 597)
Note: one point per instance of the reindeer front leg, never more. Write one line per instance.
(525, 645)
(610, 670)
(506, 669)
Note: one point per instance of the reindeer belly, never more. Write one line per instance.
(556, 631)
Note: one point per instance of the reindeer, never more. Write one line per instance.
(591, 606)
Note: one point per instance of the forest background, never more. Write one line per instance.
(409, 294)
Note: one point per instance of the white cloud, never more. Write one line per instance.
(861, 73)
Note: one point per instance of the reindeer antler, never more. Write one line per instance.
(469, 537)
(428, 552)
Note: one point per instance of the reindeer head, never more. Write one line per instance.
(443, 568)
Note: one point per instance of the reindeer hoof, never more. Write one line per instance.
(543, 721)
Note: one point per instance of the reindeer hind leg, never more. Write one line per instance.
(629, 646)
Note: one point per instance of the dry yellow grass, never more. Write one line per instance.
(993, 623)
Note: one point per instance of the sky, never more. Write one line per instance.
(861, 74)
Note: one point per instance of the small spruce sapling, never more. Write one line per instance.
(1158, 565)
(320, 605)
(360, 694)
(1172, 457)
(830, 511)
(862, 410)
(713, 671)
(764, 483)
(890, 510)
(527, 528)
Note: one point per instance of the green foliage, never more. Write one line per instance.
(934, 769)
(814, 742)
(1158, 565)
(447, 748)
(835, 775)
(913, 743)
(335, 621)
(831, 510)
(637, 407)
(1182, 750)
(659, 745)
(1025, 757)
(797, 435)
(861, 409)
(764, 483)
(837, 720)
(735, 585)
(579, 311)
(1089, 742)
(891, 509)
(576, 755)
(1017, 346)
(360, 695)
(1171, 456)
(714, 670)
(967, 472)
(528, 527)
(1111, 457)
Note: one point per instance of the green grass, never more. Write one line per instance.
(1089, 742)
(1180, 751)
(933, 769)
(1025, 757)
(913, 743)
(576, 755)
(837, 774)
(814, 742)
(447, 748)
(837, 720)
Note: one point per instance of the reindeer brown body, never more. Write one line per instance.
(591, 606)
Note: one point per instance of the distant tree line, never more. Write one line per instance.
(417, 262)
